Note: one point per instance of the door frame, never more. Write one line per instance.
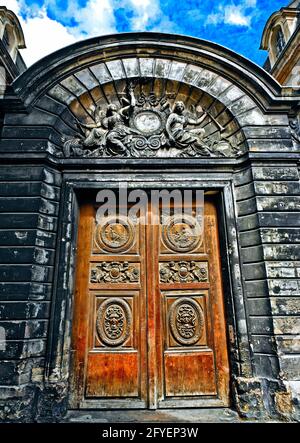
(58, 360)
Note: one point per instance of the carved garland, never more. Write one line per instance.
(114, 272)
(183, 271)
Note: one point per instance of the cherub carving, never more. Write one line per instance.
(94, 134)
(116, 122)
(183, 138)
(110, 128)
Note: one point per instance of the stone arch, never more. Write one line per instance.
(63, 88)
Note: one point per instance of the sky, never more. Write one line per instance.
(49, 25)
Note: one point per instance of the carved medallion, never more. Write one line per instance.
(148, 121)
(113, 321)
(114, 272)
(182, 233)
(115, 234)
(183, 271)
(186, 321)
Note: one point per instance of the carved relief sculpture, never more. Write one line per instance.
(114, 272)
(176, 272)
(113, 322)
(182, 233)
(186, 321)
(189, 140)
(114, 235)
(147, 126)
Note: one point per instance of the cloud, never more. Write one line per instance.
(144, 12)
(44, 34)
(95, 18)
(143, 15)
(234, 14)
(52, 24)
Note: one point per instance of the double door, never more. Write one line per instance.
(149, 324)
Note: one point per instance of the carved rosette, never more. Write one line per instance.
(113, 322)
(115, 272)
(115, 235)
(178, 272)
(186, 321)
(182, 233)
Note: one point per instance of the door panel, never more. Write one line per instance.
(110, 364)
(194, 361)
(149, 325)
(189, 374)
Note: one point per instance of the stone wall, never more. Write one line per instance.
(28, 225)
(268, 208)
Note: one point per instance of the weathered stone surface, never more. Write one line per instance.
(243, 177)
(17, 403)
(247, 206)
(275, 173)
(284, 188)
(248, 222)
(284, 287)
(266, 366)
(283, 401)
(52, 402)
(287, 325)
(283, 269)
(277, 219)
(288, 344)
(278, 203)
(24, 310)
(252, 254)
(290, 367)
(285, 306)
(244, 192)
(282, 252)
(256, 288)
(20, 349)
(259, 306)
(254, 271)
(263, 344)
(252, 238)
(248, 396)
(282, 235)
(19, 329)
(261, 325)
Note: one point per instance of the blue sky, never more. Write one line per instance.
(237, 24)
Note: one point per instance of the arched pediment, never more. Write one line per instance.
(158, 85)
(62, 63)
(224, 96)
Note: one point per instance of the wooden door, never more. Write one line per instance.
(149, 324)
